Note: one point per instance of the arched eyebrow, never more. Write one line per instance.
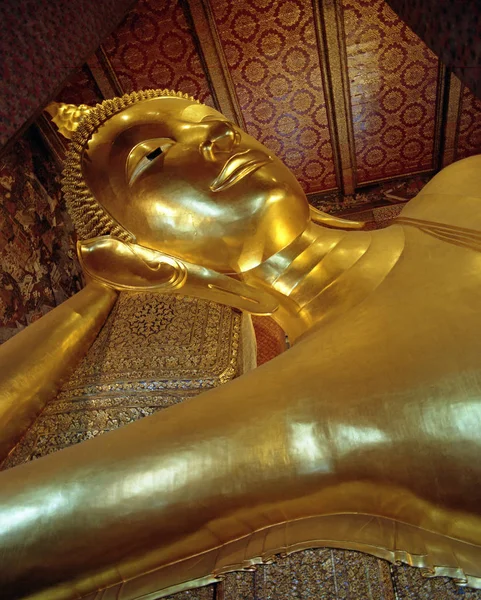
(214, 118)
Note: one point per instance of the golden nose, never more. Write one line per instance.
(221, 137)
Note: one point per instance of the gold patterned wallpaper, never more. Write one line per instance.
(393, 78)
(155, 47)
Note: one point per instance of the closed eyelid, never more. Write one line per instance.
(143, 155)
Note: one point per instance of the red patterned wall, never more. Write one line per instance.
(270, 338)
(469, 133)
(272, 55)
(80, 89)
(393, 92)
(154, 48)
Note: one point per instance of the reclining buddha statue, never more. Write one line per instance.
(364, 435)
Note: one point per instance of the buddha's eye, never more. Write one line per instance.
(143, 155)
(154, 154)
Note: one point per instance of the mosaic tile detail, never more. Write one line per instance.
(240, 584)
(410, 584)
(317, 574)
(205, 593)
(153, 352)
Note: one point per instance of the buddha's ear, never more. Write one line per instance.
(129, 267)
(126, 266)
(322, 218)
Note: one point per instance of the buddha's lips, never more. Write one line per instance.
(237, 167)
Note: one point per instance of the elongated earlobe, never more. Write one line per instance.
(130, 267)
(126, 266)
(322, 218)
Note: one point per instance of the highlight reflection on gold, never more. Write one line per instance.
(361, 436)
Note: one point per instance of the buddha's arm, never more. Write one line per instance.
(310, 433)
(35, 362)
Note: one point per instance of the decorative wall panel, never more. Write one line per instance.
(271, 339)
(318, 574)
(393, 77)
(329, 574)
(411, 585)
(154, 47)
(39, 268)
(204, 593)
(469, 132)
(272, 54)
(153, 352)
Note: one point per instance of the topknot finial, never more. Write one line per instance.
(67, 117)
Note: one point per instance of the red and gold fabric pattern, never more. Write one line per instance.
(393, 78)
(154, 47)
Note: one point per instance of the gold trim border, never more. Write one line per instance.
(436, 555)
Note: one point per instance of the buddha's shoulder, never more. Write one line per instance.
(453, 196)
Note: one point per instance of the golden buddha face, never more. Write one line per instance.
(184, 180)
